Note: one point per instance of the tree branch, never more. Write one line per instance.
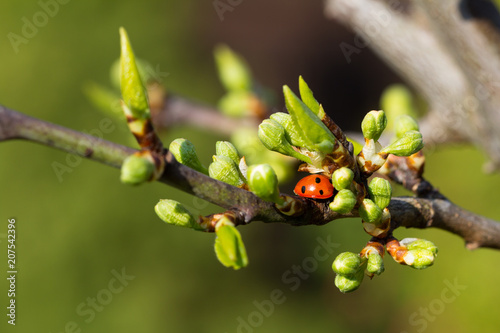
(456, 77)
(176, 110)
(409, 212)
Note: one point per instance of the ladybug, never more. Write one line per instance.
(314, 186)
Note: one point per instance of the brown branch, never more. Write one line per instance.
(450, 76)
(477, 231)
(176, 110)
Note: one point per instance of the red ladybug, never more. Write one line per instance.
(314, 186)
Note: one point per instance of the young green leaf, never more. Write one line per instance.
(311, 129)
(133, 92)
(229, 247)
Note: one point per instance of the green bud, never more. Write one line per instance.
(419, 258)
(375, 264)
(343, 202)
(229, 247)
(226, 148)
(307, 97)
(291, 133)
(133, 91)
(263, 182)
(347, 263)
(403, 124)
(342, 178)
(373, 125)
(172, 212)
(380, 191)
(185, 153)
(418, 243)
(236, 103)
(311, 129)
(136, 170)
(396, 100)
(224, 169)
(410, 143)
(370, 212)
(348, 283)
(272, 135)
(233, 70)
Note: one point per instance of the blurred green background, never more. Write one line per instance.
(74, 236)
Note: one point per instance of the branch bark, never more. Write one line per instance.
(477, 231)
(443, 49)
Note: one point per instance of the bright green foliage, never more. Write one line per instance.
(229, 247)
(134, 93)
(307, 97)
(313, 132)
(233, 70)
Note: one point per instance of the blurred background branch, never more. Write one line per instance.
(448, 51)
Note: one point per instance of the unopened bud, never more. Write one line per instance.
(185, 153)
(342, 178)
(173, 212)
(291, 133)
(348, 283)
(136, 170)
(403, 124)
(370, 212)
(380, 191)
(226, 148)
(224, 169)
(272, 135)
(410, 143)
(344, 202)
(375, 264)
(373, 124)
(419, 258)
(263, 182)
(418, 243)
(347, 263)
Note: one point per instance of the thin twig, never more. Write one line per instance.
(409, 212)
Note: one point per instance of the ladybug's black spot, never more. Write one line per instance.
(317, 180)
(321, 192)
(303, 189)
